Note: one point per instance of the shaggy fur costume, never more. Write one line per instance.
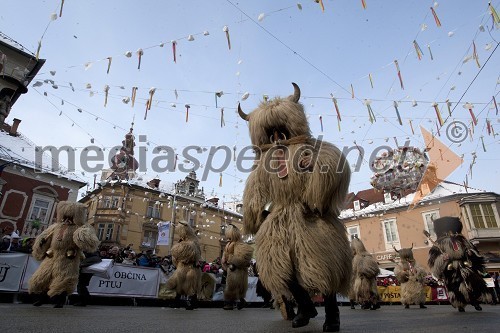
(364, 275)
(412, 278)
(59, 248)
(235, 261)
(457, 262)
(186, 254)
(207, 287)
(291, 203)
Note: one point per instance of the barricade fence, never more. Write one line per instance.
(143, 282)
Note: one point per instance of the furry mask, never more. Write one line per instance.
(233, 234)
(406, 254)
(446, 225)
(277, 119)
(72, 212)
(185, 232)
(357, 246)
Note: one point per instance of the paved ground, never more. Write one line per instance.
(101, 319)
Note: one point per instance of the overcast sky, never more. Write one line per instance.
(273, 43)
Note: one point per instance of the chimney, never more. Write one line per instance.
(13, 128)
(154, 183)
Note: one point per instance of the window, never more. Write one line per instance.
(390, 231)
(429, 217)
(118, 234)
(40, 210)
(114, 202)
(153, 210)
(100, 231)
(353, 231)
(483, 216)
(356, 205)
(150, 238)
(106, 202)
(109, 231)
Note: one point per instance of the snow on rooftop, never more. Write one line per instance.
(21, 151)
(444, 189)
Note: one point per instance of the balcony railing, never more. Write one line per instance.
(483, 233)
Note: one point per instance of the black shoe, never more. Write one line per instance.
(407, 306)
(241, 304)
(302, 318)
(228, 306)
(478, 307)
(40, 299)
(461, 309)
(332, 322)
(422, 306)
(192, 303)
(59, 300)
(332, 327)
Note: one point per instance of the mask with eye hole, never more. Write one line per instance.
(277, 119)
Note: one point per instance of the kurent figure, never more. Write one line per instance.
(364, 277)
(291, 203)
(235, 261)
(456, 261)
(186, 254)
(412, 278)
(59, 248)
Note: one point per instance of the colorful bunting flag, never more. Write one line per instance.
(226, 30)
(418, 50)
(140, 52)
(174, 51)
(187, 112)
(474, 54)
(106, 91)
(436, 18)
(430, 52)
(470, 106)
(134, 94)
(397, 113)
(399, 74)
(61, 10)
(109, 64)
(438, 114)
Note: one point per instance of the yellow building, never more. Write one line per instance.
(126, 213)
(126, 209)
(383, 223)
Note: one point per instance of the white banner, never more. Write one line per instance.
(31, 267)
(163, 233)
(126, 280)
(251, 295)
(11, 270)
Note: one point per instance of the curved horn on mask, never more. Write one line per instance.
(242, 114)
(395, 249)
(296, 93)
(411, 248)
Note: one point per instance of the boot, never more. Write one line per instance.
(375, 306)
(242, 304)
(407, 306)
(352, 304)
(306, 309)
(228, 305)
(461, 309)
(59, 300)
(177, 302)
(478, 307)
(332, 314)
(192, 302)
(40, 299)
(422, 306)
